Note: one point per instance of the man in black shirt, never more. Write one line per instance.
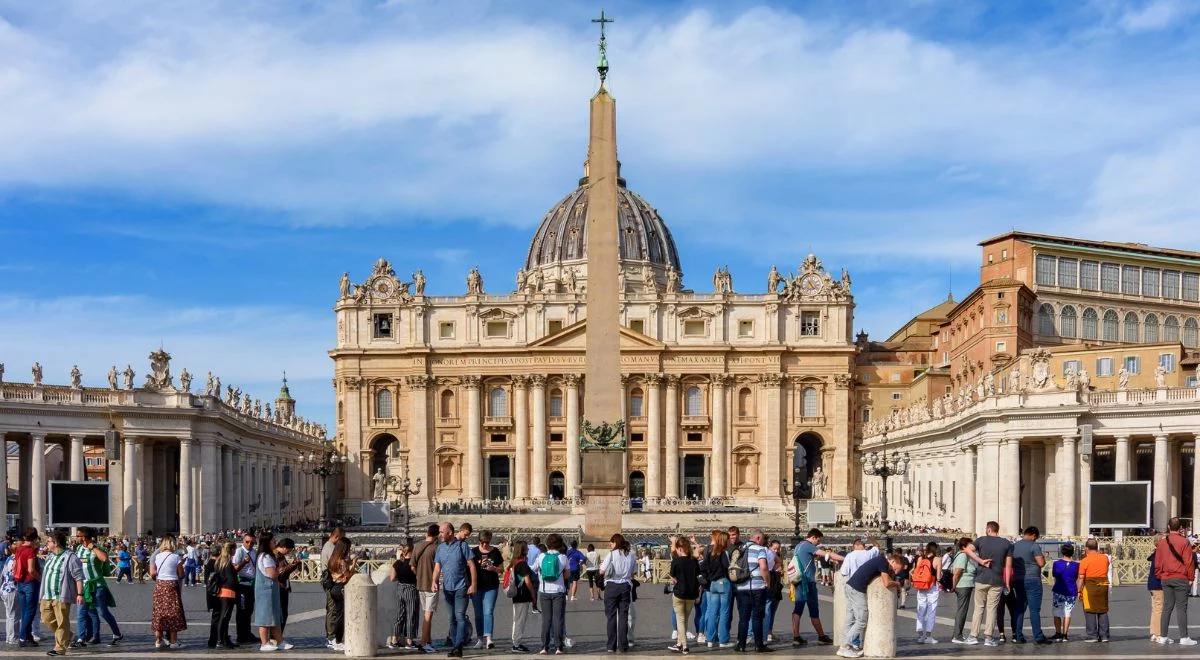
(856, 596)
(991, 580)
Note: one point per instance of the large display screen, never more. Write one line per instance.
(78, 503)
(1120, 504)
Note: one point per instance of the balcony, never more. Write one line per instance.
(497, 422)
(694, 422)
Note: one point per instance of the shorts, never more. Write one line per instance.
(574, 575)
(429, 601)
(1061, 605)
(814, 612)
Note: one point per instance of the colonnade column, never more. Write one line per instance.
(969, 522)
(1009, 487)
(539, 478)
(1161, 497)
(129, 487)
(4, 479)
(37, 480)
(1050, 448)
(1065, 465)
(1085, 494)
(653, 437)
(720, 450)
(571, 484)
(185, 486)
(987, 502)
(208, 485)
(474, 471)
(229, 489)
(78, 471)
(139, 486)
(1195, 478)
(671, 457)
(521, 422)
(1122, 458)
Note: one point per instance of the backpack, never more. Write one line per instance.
(511, 584)
(922, 574)
(548, 567)
(947, 581)
(20, 571)
(739, 565)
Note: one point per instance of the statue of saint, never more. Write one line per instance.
(185, 380)
(649, 285)
(112, 378)
(1160, 377)
(1123, 379)
(672, 280)
(127, 376)
(419, 282)
(1, 372)
(521, 280)
(345, 286)
(380, 481)
(718, 281)
(37, 374)
(773, 280)
(571, 281)
(818, 483)
(474, 282)
(76, 377)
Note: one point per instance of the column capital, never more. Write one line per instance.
(672, 380)
(37, 435)
(470, 382)
(186, 439)
(1165, 437)
(538, 381)
(80, 436)
(572, 380)
(520, 381)
(773, 380)
(1069, 438)
(720, 380)
(654, 380)
(1121, 436)
(418, 381)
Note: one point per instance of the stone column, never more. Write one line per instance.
(1085, 494)
(1122, 458)
(839, 609)
(4, 478)
(671, 457)
(185, 486)
(141, 496)
(879, 640)
(720, 448)
(37, 480)
(1068, 489)
(539, 479)
(1050, 448)
(1161, 498)
(521, 442)
(1009, 487)
(653, 437)
(229, 489)
(208, 486)
(474, 458)
(419, 456)
(772, 420)
(1195, 478)
(571, 484)
(987, 498)
(78, 470)
(967, 488)
(362, 601)
(129, 461)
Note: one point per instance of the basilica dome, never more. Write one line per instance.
(642, 235)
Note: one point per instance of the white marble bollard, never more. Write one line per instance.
(361, 601)
(386, 605)
(839, 609)
(880, 639)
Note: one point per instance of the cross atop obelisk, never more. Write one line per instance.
(602, 64)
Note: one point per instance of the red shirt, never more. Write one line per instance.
(21, 557)
(1166, 566)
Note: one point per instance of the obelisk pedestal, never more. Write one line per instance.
(602, 494)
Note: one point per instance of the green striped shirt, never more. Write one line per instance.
(87, 558)
(52, 576)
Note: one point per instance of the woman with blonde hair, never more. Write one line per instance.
(166, 613)
(222, 586)
(716, 571)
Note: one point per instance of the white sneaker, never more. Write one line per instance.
(338, 646)
(970, 641)
(674, 634)
(691, 636)
(930, 640)
(700, 638)
(285, 646)
(268, 647)
(479, 643)
(1158, 640)
(176, 646)
(1187, 641)
(329, 643)
(567, 642)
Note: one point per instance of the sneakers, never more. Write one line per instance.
(929, 639)
(970, 641)
(268, 647)
(825, 639)
(849, 652)
(428, 648)
(700, 638)
(920, 637)
(1186, 641)
(691, 636)
(675, 648)
(479, 643)
(286, 646)
(988, 641)
(674, 635)
(567, 642)
(338, 646)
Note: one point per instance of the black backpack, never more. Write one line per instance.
(947, 580)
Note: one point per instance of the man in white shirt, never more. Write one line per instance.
(243, 563)
(860, 555)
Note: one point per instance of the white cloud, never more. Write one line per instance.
(1157, 15)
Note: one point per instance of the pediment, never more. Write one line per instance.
(496, 314)
(574, 336)
(695, 312)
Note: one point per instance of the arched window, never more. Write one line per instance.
(744, 402)
(809, 402)
(1046, 320)
(1150, 331)
(694, 404)
(1066, 324)
(1111, 325)
(636, 409)
(1171, 329)
(1131, 327)
(1189, 333)
(383, 404)
(556, 403)
(497, 402)
(1090, 324)
(446, 404)
(340, 410)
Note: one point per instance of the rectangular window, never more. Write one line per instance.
(989, 257)
(1191, 287)
(556, 437)
(745, 328)
(1068, 273)
(1089, 276)
(695, 437)
(1133, 364)
(1131, 281)
(866, 415)
(1110, 278)
(446, 330)
(1001, 346)
(1045, 270)
(1170, 284)
(810, 324)
(498, 438)
(1167, 361)
(895, 396)
(637, 437)
(1003, 254)
(638, 325)
(693, 328)
(1071, 366)
(497, 329)
(554, 326)
(1150, 282)
(382, 325)
(1104, 366)
(1191, 381)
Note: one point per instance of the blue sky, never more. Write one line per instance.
(200, 173)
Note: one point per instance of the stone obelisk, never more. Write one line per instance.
(603, 470)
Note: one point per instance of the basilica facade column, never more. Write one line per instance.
(78, 470)
(208, 485)
(474, 458)
(1085, 494)
(521, 442)
(773, 421)
(654, 436)
(671, 454)
(1162, 496)
(1122, 458)
(1067, 463)
(185, 486)
(720, 448)
(419, 458)
(37, 480)
(539, 479)
(143, 483)
(571, 484)
(1009, 487)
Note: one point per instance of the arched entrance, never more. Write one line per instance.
(558, 487)
(498, 478)
(382, 448)
(806, 460)
(637, 485)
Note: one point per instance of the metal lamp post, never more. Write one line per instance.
(798, 490)
(325, 465)
(407, 488)
(876, 466)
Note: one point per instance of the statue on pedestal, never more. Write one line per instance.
(37, 374)
(112, 378)
(76, 377)
(818, 483)
(419, 283)
(127, 377)
(185, 380)
(344, 287)
(474, 282)
(1123, 379)
(672, 280)
(380, 480)
(1160, 377)
(774, 279)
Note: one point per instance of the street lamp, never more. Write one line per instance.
(798, 490)
(324, 465)
(876, 466)
(407, 488)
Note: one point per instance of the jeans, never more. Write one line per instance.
(457, 600)
(856, 619)
(1033, 599)
(189, 574)
(485, 609)
(961, 608)
(751, 602)
(27, 605)
(127, 572)
(1175, 595)
(701, 606)
(717, 614)
(769, 608)
(88, 619)
(554, 614)
(1015, 601)
(616, 610)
